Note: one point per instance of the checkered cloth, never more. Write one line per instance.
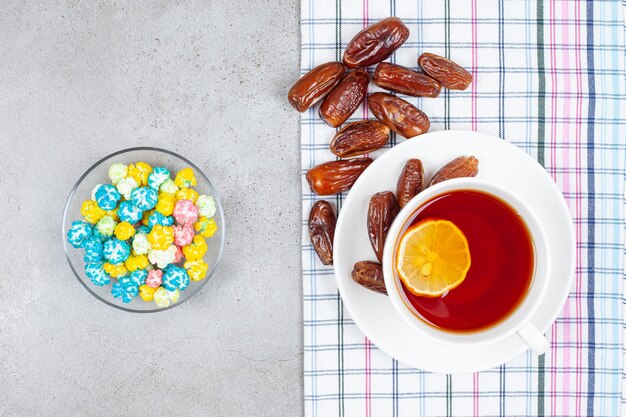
(549, 77)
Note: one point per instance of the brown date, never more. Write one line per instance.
(449, 74)
(410, 182)
(315, 84)
(404, 80)
(369, 274)
(382, 209)
(322, 222)
(375, 43)
(358, 138)
(398, 115)
(344, 99)
(336, 176)
(463, 166)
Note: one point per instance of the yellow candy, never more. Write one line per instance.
(116, 271)
(91, 211)
(146, 293)
(136, 262)
(113, 213)
(197, 270)
(186, 194)
(146, 216)
(185, 178)
(124, 231)
(165, 204)
(196, 249)
(161, 237)
(140, 172)
(206, 227)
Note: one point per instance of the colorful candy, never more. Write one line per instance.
(158, 218)
(174, 278)
(106, 226)
(146, 293)
(146, 229)
(185, 212)
(124, 231)
(206, 227)
(161, 237)
(91, 212)
(185, 178)
(144, 197)
(141, 244)
(169, 186)
(183, 235)
(165, 204)
(94, 250)
(206, 205)
(158, 176)
(154, 278)
(117, 172)
(116, 251)
(140, 172)
(196, 249)
(186, 194)
(107, 197)
(79, 233)
(126, 186)
(197, 270)
(162, 258)
(95, 272)
(128, 212)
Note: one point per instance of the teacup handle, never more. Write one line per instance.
(533, 338)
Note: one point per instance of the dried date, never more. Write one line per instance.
(398, 115)
(404, 80)
(381, 212)
(336, 176)
(315, 85)
(344, 99)
(358, 138)
(375, 43)
(463, 166)
(449, 74)
(369, 274)
(410, 182)
(322, 222)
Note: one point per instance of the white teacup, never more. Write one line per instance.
(516, 322)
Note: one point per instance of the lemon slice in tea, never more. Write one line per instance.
(433, 258)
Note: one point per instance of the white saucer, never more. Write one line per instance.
(499, 162)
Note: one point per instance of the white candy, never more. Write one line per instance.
(141, 245)
(125, 186)
(162, 258)
(117, 172)
(206, 206)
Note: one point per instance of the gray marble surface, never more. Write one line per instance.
(207, 79)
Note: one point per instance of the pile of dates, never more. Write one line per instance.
(342, 88)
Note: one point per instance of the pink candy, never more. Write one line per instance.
(154, 278)
(185, 212)
(178, 256)
(183, 235)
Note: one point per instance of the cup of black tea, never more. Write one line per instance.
(468, 262)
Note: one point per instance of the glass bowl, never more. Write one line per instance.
(98, 174)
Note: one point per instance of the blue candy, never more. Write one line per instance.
(144, 197)
(97, 275)
(158, 176)
(96, 234)
(79, 233)
(143, 229)
(138, 277)
(126, 293)
(158, 218)
(175, 277)
(128, 212)
(93, 250)
(116, 251)
(107, 197)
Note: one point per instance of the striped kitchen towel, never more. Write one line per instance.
(548, 77)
